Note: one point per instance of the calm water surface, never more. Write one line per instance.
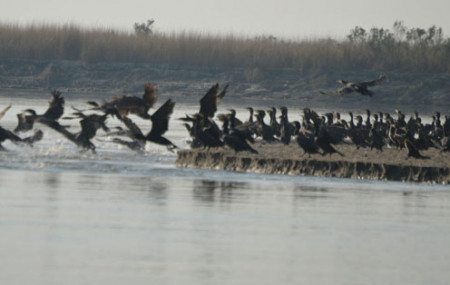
(122, 218)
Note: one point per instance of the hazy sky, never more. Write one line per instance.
(281, 18)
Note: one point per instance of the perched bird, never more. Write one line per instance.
(265, 131)
(237, 143)
(286, 128)
(237, 138)
(412, 150)
(376, 139)
(324, 141)
(306, 141)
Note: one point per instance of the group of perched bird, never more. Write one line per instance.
(119, 107)
(314, 133)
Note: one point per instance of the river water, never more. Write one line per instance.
(118, 217)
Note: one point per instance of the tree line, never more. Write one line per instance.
(398, 48)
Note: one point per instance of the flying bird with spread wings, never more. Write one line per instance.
(359, 87)
(124, 105)
(160, 125)
(208, 104)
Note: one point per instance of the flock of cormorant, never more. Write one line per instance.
(118, 107)
(314, 133)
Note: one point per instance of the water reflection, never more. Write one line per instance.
(218, 190)
(117, 218)
(310, 192)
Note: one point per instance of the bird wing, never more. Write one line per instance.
(345, 90)
(222, 93)
(3, 112)
(150, 96)
(373, 82)
(160, 119)
(59, 128)
(134, 129)
(7, 134)
(56, 106)
(348, 88)
(208, 104)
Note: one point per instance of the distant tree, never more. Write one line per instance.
(399, 31)
(357, 34)
(144, 28)
(415, 35)
(435, 35)
(380, 37)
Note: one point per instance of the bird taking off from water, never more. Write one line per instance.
(124, 105)
(359, 87)
(208, 104)
(54, 111)
(160, 125)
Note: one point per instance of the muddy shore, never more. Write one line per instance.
(390, 164)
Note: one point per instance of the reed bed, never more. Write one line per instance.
(93, 45)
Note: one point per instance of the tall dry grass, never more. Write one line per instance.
(89, 45)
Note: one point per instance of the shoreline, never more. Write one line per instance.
(390, 165)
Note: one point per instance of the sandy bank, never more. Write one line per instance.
(390, 164)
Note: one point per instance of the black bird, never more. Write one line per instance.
(237, 143)
(357, 136)
(204, 132)
(412, 150)
(286, 128)
(446, 143)
(306, 141)
(376, 140)
(89, 126)
(359, 87)
(236, 139)
(263, 130)
(324, 141)
(160, 125)
(53, 112)
(273, 121)
(208, 104)
(250, 118)
(8, 135)
(124, 105)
